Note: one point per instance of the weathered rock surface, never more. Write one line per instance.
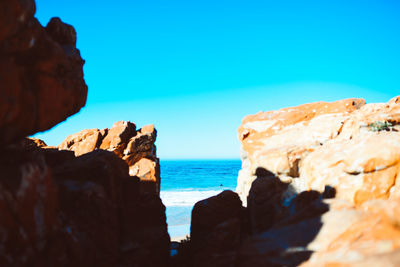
(347, 151)
(136, 147)
(319, 144)
(62, 210)
(369, 234)
(41, 76)
(278, 140)
(28, 206)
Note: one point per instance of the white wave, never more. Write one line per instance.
(185, 198)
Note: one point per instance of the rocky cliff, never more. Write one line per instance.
(320, 185)
(92, 201)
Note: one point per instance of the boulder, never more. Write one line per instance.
(41, 76)
(216, 230)
(136, 147)
(83, 142)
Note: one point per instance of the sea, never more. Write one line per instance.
(185, 182)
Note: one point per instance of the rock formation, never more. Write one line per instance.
(320, 185)
(41, 77)
(136, 147)
(347, 144)
(76, 205)
(216, 230)
(347, 147)
(62, 210)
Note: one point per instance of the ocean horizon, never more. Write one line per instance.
(187, 181)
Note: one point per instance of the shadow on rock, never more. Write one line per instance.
(281, 233)
(271, 231)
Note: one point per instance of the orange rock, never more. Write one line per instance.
(363, 168)
(118, 136)
(84, 141)
(136, 148)
(148, 172)
(354, 149)
(372, 231)
(322, 189)
(279, 140)
(342, 140)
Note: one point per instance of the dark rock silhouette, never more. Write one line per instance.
(216, 230)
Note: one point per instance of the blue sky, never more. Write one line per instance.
(196, 68)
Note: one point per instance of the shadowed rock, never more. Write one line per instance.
(216, 230)
(76, 211)
(41, 76)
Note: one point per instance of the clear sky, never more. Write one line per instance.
(196, 68)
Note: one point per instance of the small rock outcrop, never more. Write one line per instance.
(41, 77)
(136, 147)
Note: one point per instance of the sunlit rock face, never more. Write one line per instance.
(41, 75)
(344, 144)
(337, 166)
(136, 147)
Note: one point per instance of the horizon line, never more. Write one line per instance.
(197, 159)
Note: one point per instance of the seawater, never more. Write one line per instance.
(184, 182)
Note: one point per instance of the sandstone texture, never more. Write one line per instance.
(340, 160)
(349, 145)
(136, 147)
(41, 77)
